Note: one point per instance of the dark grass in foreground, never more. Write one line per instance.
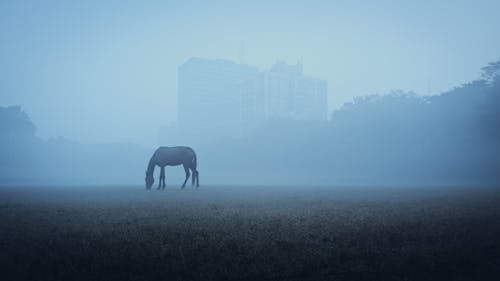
(249, 233)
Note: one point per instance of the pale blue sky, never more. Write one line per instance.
(100, 72)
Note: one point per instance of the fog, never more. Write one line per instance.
(395, 139)
(266, 93)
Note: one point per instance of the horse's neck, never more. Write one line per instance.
(151, 166)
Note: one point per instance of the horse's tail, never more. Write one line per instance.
(195, 161)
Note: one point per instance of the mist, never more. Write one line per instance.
(249, 140)
(322, 93)
(98, 72)
(395, 139)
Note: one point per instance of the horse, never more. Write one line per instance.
(172, 156)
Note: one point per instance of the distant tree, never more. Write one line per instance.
(491, 71)
(18, 144)
(15, 123)
(491, 110)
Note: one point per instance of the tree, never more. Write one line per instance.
(15, 123)
(491, 71)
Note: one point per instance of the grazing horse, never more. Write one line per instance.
(172, 156)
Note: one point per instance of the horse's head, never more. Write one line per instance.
(149, 180)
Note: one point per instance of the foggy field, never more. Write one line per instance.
(249, 233)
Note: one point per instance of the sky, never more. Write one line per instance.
(106, 71)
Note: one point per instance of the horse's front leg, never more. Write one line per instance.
(186, 169)
(162, 177)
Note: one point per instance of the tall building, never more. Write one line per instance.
(209, 94)
(225, 98)
(290, 94)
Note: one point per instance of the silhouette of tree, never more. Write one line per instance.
(490, 111)
(490, 71)
(18, 144)
(15, 123)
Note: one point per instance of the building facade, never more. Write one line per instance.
(209, 95)
(227, 98)
(292, 95)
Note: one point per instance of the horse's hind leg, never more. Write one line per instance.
(186, 169)
(195, 177)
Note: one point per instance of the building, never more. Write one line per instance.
(290, 94)
(209, 94)
(225, 98)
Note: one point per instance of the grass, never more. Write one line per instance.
(249, 233)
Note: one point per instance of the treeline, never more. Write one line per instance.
(26, 159)
(395, 139)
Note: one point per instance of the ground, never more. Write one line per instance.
(249, 233)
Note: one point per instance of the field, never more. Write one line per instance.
(249, 233)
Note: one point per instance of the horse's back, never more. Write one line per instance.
(174, 155)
